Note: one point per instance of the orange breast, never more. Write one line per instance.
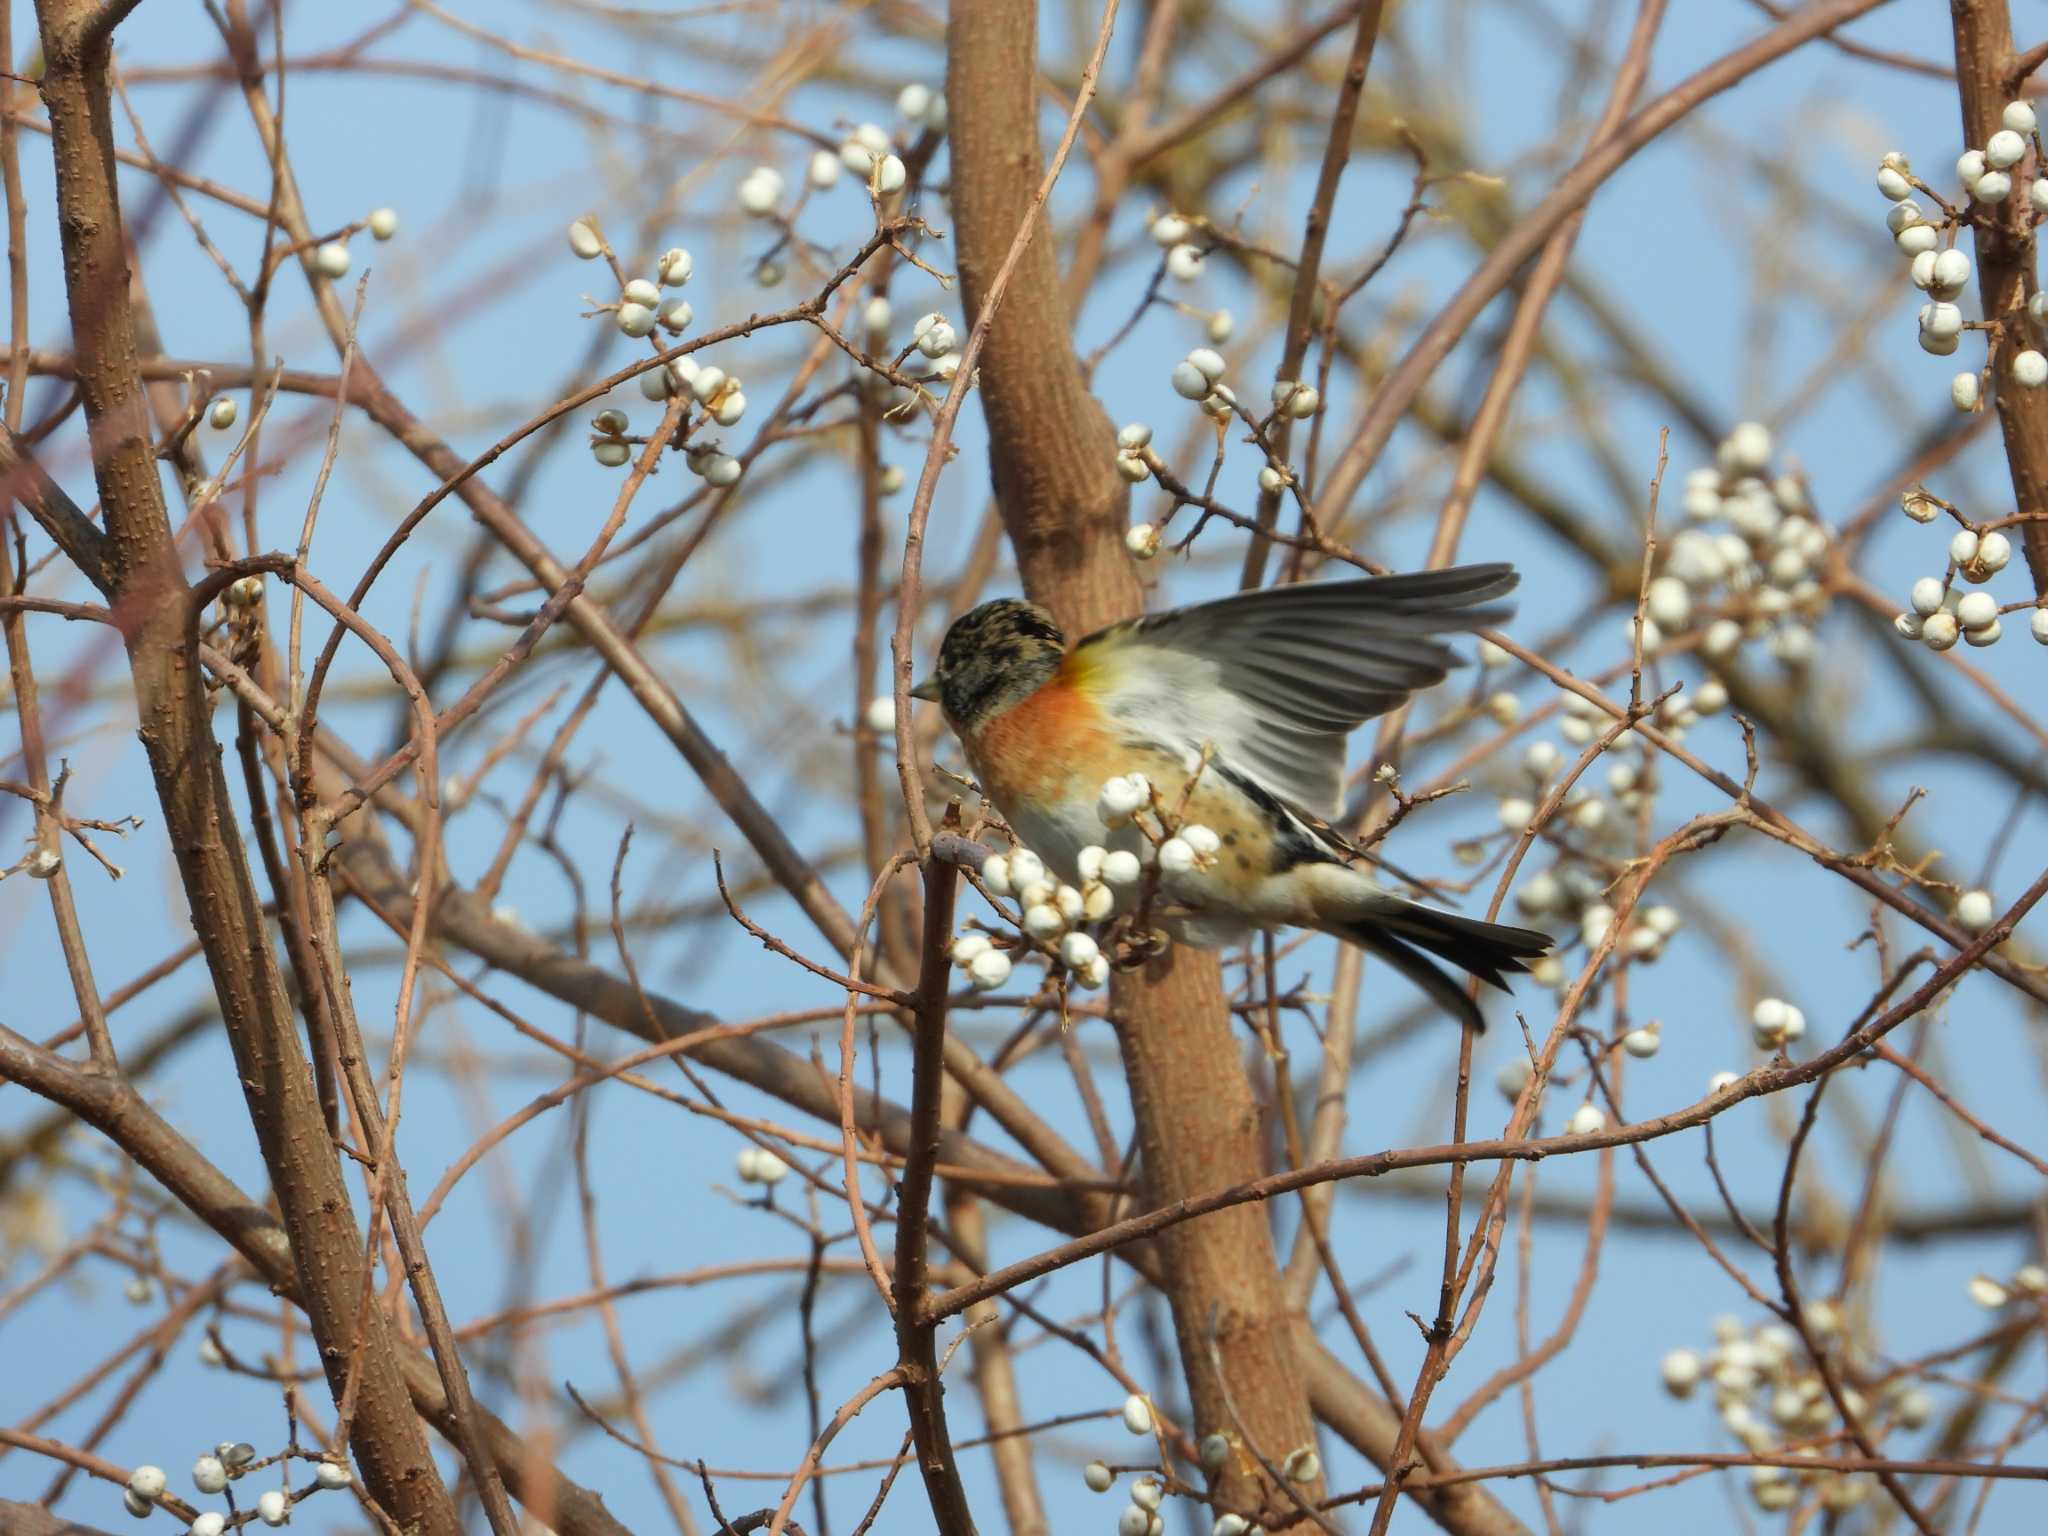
(1050, 745)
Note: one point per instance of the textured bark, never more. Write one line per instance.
(1051, 457)
(137, 567)
(1986, 67)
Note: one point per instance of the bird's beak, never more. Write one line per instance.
(927, 690)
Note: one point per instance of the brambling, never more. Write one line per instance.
(1249, 699)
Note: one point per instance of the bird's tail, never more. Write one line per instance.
(1400, 931)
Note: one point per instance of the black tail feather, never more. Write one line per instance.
(1485, 950)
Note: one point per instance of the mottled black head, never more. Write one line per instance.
(993, 657)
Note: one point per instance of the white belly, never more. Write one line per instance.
(1058, 834)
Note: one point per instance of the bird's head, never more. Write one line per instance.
(993, 657)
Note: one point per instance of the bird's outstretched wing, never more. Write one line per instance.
(1274, 680)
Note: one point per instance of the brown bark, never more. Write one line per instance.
(1986, 77)
(136, 566)
(1051, 452)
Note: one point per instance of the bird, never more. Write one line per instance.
(1250, 699)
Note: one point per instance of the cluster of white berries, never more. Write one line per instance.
(1175, 232)
(1198, 377)
(1775, 1024)
(1300, 401)
(1760, 567)
(757, 1165)
(934, 337)
(1572, 889)
(1771, 1399)
(1054, 914)
(1148, 1491)
(1183, 257)
(1938, 612)
(212, 1473)
(1131, 442)
(1942, 272)
(869, 154)
(331, 257)
(1182, 853)
(1143, 540)
(642, 304)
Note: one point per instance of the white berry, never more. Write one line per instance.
(760, 190)
(1747, 449)
(1587, 1119)
(1077, 951)
(1681, 1372)
(1974, 911)
(2030, 368)
(1142, 540)
(1044, 921)
(988, 970)
(1940, 320)
(208, 1475)
(147, 1482)
(272, 1508)
(1137, 1415)
(332, 259)
(1988, 1293)
(1976, 609)
(1121, 867)
(1184, 262)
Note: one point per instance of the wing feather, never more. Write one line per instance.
(1275, 680)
